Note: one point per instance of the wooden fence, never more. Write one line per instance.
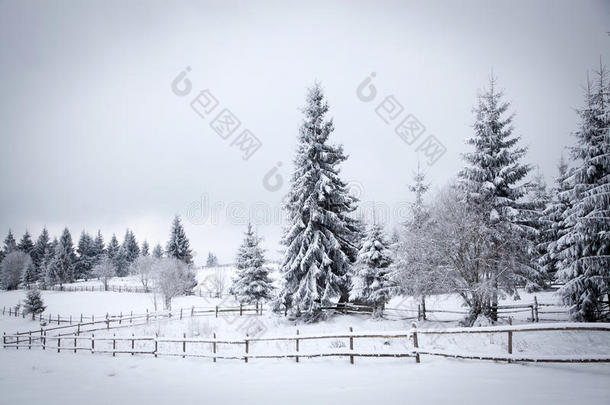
(153, 345)
(535, 309)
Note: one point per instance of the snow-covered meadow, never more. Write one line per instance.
(104, 379)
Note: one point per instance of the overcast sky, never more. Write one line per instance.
(93, 137)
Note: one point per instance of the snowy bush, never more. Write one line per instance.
(12, 269)
(173, 278)
(104, 270)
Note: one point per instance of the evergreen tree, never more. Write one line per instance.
(98, 249)
(9, 243)
(113, 247)
(157, 252)
(38, 252)
(121, 262)
(62, 268)
(251, 283)
(178, 245)
(130, 246)
(372, 284)
(492, 183)
(539, 199)
(33, 303)
(321, 240)
(552, 220)
(30, 275)
(25, 244)
(84, 262)
(212, 261)
(48, 262)
(585, 247)
(145, 251)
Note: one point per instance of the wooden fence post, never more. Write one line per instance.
(246, 357)
(351, 345)
(81, 318)
(131, 317)
(415, 343)
(107, 321)
(58, 344)
(58, 319)
(285, 310)
(92, 343)
(133, 345)
(75, 343)
(17, 347)
(30, 341)
(510, 337)
(113, 345)
(120, 317)
(4, 340)
(533, 317)
(214, 346)
(184, 341)
(536, 307)
(44, 339)
(216, 311)
(297, 346)
(192, 311)
(241, 309)
(78, 329)
(156, 344)
(70, 319)
(180, 313)
(146, 315)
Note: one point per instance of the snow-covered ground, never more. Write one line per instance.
(30, 377)
(144, 379)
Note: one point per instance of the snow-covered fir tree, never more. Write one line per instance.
(25, 244)
(585, 247)
(321, 238)
(33, 303)
(86, 256)
(371, 282)
(178, 246)
(113, 247)
(538, 198)
(41, 246)
(98, 248)
(62, 268)
(121, 262)
(157, 252)
(30, 275)
(493, 184)
(46, 266)
(212, 261)
(145, 250)
(131, 247)
(251, 283)
(10, 245)
(552, 220)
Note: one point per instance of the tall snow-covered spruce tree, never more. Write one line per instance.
(251, 283)
(371, 283)
(493, 182)
(178, 246)
(585, 247)
(321, 238)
